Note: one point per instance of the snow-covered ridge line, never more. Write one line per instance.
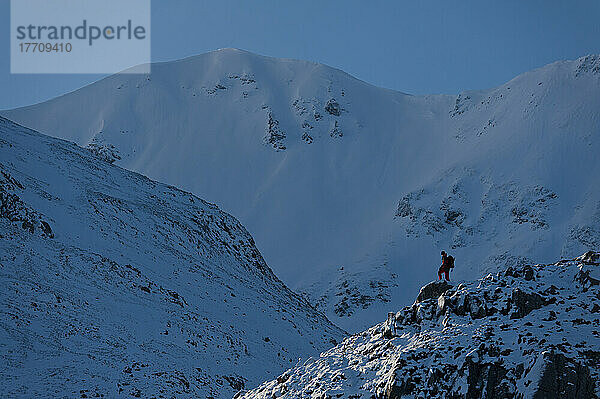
(113, 284)
(525, 332)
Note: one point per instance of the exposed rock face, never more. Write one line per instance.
(107, 152)
(433, 290)
(525, 302)
(589, 270)
(485, 381)
(333, 107)
(335, 130)
(274, 137)
(564, 378)
(527, 332)
(13, 208)
(590, 258)
(424, 212)
(350, 295)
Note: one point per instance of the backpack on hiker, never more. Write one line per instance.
(450, 260)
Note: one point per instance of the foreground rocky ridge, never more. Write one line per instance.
(525, 332)
(113, 285)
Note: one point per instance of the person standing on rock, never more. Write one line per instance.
(447, 264)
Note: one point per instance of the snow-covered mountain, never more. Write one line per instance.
(525, 332)
(350, 190)
(114, 284)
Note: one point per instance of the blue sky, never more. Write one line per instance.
(418, 47)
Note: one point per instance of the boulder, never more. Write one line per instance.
(433, 290)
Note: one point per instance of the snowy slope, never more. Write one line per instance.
(352, 190)
(114, 284)
(524, 332)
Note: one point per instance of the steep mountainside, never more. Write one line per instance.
(114, 284)
(524, 332)
(352, 190)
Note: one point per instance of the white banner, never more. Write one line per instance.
(80, 36)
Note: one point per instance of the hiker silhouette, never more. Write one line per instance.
(447, 264)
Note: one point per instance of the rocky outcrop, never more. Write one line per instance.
(335, 130)
(13, 208)
(524, 303)
(589, 270)
(443, 207)
(433, 290)
(484, 380)
(105, 151)
(333, 107)
(564, 378)
(530, 331)
(309, 111)
(274, 137)
(590, 258)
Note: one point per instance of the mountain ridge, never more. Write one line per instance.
(115, 284)
(316, 164)
(525, 332)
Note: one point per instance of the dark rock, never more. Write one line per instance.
(275, 136)
(453, 217)
(564, 378)
(46, 229)
(552, 290)
(396, 389)
(484, 381)
(404, 208)
(478, 311)
(524, 303)
(283, 378)
(519, 370)
(551, 316)
(307, 138)
(466, 304)
(333, 107)
(433, 290)
(528, 273)
(525, 272)
(583, 277)
(27, 225)
(590, 258)
(336, 131)
(490, 311)
(593, 356)
(107, 152)
(509, 272)
(235, 381)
